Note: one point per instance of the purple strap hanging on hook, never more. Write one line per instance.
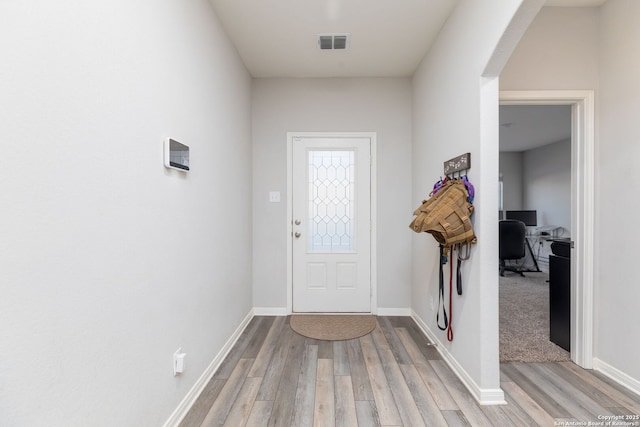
(470, 189)
(437, 186)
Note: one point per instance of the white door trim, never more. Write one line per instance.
(582, 208)
(372, 136)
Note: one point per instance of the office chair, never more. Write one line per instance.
(512, 235)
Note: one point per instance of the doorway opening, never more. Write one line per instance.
(582, 210)
(535, 190)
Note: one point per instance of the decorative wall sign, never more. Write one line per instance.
(457, 164)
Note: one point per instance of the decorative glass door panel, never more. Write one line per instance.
(331, 201)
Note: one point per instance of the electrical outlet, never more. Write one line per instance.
(274, 196)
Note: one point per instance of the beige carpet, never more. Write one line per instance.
(332, 327)
(524, 320)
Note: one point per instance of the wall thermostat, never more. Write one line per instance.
(176, 155)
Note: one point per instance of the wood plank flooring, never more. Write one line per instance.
(391, 377)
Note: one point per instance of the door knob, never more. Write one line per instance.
(297, 235)
(297, 222)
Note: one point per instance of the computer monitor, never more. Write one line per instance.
(530, 218)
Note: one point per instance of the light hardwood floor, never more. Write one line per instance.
(392, 377)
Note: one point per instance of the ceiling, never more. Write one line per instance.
(277, 38)
(524, 127)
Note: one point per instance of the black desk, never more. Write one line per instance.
(533, 256)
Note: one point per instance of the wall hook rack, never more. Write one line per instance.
(457, 164)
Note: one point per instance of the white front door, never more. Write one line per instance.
(331, 230)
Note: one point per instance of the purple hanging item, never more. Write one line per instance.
(470, 189)
(438, 185)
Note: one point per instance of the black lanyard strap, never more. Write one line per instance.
(441, 300)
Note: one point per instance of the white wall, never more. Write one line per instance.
(511, 170)
(618, 292)
(539, 179)
(596, 48)
(109, 261)
(558, 51)
(547, 183)
(332, 105)
(456, 111)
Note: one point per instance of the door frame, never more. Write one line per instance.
(582, 208)
(291, 136)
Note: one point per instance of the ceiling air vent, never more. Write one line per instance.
(334, 41)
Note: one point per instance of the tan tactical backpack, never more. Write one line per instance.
(446, 215)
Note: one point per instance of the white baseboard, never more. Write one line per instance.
(398, 311)
(493, 396)
(617, 375)
(282, 311)
(193, 394)
(270, 311)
